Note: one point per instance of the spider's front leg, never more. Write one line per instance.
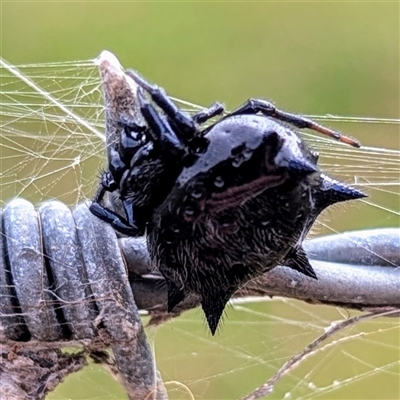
(111, 217)
(180, 121)
(185, 126)
(171, 146)
(254, 106)
(131, 143)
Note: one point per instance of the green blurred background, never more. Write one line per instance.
(318, 58)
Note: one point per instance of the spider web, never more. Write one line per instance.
(52, 146)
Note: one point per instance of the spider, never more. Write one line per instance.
(220, 204)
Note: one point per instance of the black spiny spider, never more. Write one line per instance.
(220, 205)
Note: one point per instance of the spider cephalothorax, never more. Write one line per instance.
(220, 204)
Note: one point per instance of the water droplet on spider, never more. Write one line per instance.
(197, 194)
(175, 229)
(219, 181)
(237, 161)
(265, 223)
(247, 153)
(189, 210)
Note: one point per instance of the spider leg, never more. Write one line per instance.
(182, 121)
(111, 181)
(160, 129)
(253, 106)
(208, 113)
(111, 217)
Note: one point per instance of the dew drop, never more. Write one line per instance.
(247, 153)
(237, 162)
(197, 194)
(312, 385)
(189, 210)
(219, 181)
